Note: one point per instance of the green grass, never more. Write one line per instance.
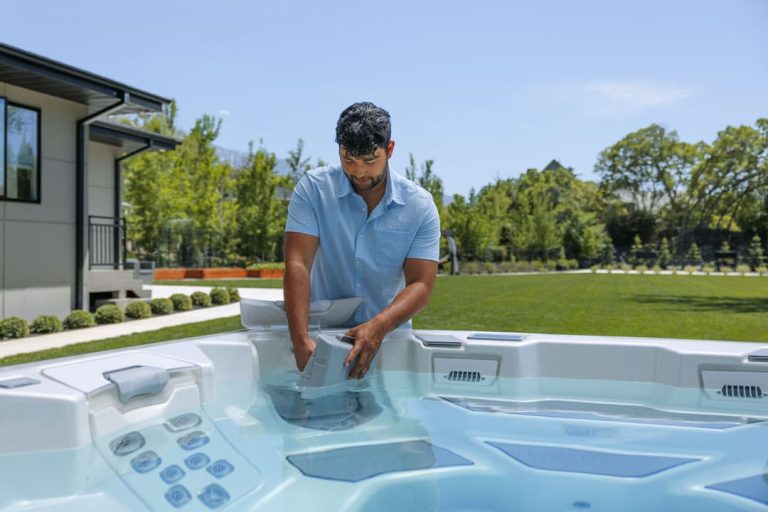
(236, 283)
(698, 307)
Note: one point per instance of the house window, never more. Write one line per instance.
(2, 147)
(22, 153)
(21, 172)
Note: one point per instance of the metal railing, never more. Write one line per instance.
(106, 242)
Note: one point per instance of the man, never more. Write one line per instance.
(359, 230)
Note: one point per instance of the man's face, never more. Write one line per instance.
(367, 172)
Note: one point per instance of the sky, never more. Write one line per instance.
(486, 89)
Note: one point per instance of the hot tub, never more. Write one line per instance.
(447, 420)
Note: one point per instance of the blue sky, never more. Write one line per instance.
(486, 89)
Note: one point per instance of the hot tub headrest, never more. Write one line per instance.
(135, 381)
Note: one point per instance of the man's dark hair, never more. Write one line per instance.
(362, 128)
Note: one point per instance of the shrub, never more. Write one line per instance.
(79, 319)
(220, 296)
(267, 266)
(471, 267)
(641, 269)
(656, 269)
(181, 302)
(708, 269)
(507, 266)
(161, 306)
(690, 269)
(743, 269)
(109, 314)
(538, 266)
(14, 327)
(234, 294)
(201, 299)
(138, 309)
(45, 324)
(761, 270)
(489, 267)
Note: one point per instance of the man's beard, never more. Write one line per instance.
(370, 185)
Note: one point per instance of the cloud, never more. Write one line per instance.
(614, 99)
(223, 112)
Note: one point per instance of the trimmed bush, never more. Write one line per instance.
(220, 296)
(45, 324)
(201, 299)
(138, 309)
(507, 267)
(471, 267)
(109, 314)
(14, 327)
(181, 302)
(234, 294)
(743, 269)
(161, 306)
(79, 319)
(489, 267)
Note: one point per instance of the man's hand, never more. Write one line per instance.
(303, 351)
(368, 338)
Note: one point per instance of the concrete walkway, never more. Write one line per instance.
(61, 339)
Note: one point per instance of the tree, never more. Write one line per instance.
(471, 229)
(730, 177)
(637, 247)
(298, 163)
(211, 206)
(259, 213)
(665, 256)
(429, 181)
(755, 254)
(653, 167)
(694, 254)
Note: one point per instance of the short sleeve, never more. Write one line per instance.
(302, 217)
(426, 243)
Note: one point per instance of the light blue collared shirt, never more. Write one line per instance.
(361, 255)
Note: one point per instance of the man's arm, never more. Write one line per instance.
(419, 279)
(300, 252)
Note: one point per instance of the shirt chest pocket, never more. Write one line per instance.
(390, 248)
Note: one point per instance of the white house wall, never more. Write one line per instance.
(37, 241)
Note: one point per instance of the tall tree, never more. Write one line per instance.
(428, 180)
(653, 167)
(298, 163)
(259, 217)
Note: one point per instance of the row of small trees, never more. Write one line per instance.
(675, 197)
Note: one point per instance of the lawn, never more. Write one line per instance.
(670, 306)
(699, 307)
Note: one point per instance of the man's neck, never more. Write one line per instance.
(373, 197)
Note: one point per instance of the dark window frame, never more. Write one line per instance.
(4, 197)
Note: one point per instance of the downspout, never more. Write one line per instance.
(81, 196)
(118, 201)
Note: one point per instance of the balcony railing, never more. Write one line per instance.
(106, 242)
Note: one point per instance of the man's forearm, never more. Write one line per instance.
(296, 286)
(411, 299)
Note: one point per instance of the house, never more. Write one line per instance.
(61, 232)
